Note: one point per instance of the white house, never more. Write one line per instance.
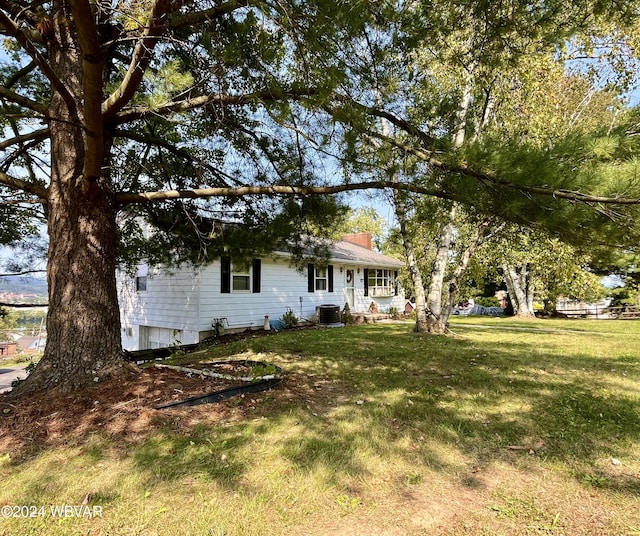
(161, 307)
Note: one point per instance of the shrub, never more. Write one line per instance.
(487, 301)
(289, 319)
(345, 316)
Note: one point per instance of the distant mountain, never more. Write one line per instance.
(22, 284)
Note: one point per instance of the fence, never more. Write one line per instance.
(621, 312)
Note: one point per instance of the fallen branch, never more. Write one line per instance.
(211, 374)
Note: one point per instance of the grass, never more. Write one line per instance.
(509, 428)
(18, 360)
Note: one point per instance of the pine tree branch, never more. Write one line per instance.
(25, 272)
(20, 202)
(151, 197)
(180, 20)
(31, 15)
(140, 112)
(172, 148)
(382, 114)
(19, 74)
(488, 178)
(11, 29)
(36, 135)
(199, 193)
(140, 60)
(25, 186)
(18, 99)
(23, 305)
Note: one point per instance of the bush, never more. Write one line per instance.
(345, 316)
(487, 301)
(393, 311)
(289, 319)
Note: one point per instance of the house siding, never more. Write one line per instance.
(171, 301)
(282, 287)
(190, 301)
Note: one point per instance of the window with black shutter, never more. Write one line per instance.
(311, 274)
(366, 281)
(319, 278)
(225, 275)
(330, 277)
(257, 274)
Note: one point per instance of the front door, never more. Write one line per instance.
(350, 287)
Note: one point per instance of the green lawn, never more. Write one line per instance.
(506, 427)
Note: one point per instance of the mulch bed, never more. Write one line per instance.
(122, 407)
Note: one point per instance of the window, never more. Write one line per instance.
(238, 277)
(381, 282)
(153, 338)
(241, 280)
(141, 283)
(141, 277)
(320, 278)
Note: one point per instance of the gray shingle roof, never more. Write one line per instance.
(352, 253)
(349, 253)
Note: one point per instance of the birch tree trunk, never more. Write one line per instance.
(412, 263)
(463, 263)
(436, 323)
(519, 289)
(438, 318)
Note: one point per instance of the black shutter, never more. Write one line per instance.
(311, 278)
(225, 275)
(257, 273)
(330, 277)
(395, 282)
(366, 281)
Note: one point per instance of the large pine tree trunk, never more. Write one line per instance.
(83, 321)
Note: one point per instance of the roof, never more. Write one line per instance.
(31, 341)
(348, 252)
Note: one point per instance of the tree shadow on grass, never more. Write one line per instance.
(483, 401)
(427, 402)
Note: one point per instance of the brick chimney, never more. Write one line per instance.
(360, 239)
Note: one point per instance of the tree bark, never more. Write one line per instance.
(412, 263)
(435, 321)
(83, 320)
(519, 289)
(477, 239)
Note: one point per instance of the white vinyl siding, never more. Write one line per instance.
(190, 301)
(171, 301)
